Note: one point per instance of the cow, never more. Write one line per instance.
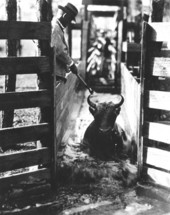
(103, 137)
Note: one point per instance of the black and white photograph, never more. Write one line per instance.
(84, 107)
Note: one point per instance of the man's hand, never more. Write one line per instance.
(73, 69)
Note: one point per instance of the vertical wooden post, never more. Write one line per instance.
(85, 13)
(45, 81)
(157, 10)
(48, 81)
(119, 49)
(12, 51)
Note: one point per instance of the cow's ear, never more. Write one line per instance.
(92, 110)
(118, 110)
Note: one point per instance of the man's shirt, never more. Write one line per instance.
(61, 50)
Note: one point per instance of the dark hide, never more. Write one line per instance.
(102, 138)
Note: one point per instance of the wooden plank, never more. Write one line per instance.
(10, 81)
(49, 114)
(141, 102)
(11, 136)
(24, 65)
(24, 159)
(156, 144)
(157, 177)
(119, 54)
(157, 131)
(157, 11)
(106, 2)
(157, 99)
(103, 13)
(24, 178)
(158, 83)
(18, 100)
(14, 30)
(157, 50)
(158, 31)
(160, 66)
(134, 47)
(157, 157)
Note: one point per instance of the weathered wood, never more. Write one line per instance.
(155, 105)
(103, 13)
(24, 65)
(160, 66)
(160, 53)
(134, 47)
(11, 136)
(141, 112)
(67, 99)
(157, 99)
(119, 54)
(10, 81)
(49, 114)
(156, 144)
(24, 159)
(157, 10)
(157, 131)
(106, 2)
(133, 54)
(18, 100)
(130, 90)
(15, 30)
(157, 157)
(24, 178)
(158, 83)
(158, 31)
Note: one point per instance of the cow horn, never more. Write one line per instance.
(92, 104)
(121, 101)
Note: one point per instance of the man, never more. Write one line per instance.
(63, 61)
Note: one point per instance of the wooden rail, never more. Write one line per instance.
(43, 98)
(24, 65)
(14, 30)
(58, 103)
(154, 153)
(31, 133)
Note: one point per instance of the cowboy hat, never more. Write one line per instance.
(69, 9)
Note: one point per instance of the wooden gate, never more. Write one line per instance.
(96, 84)
(154, 148)
(10, 66)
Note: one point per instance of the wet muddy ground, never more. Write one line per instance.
(87, 185)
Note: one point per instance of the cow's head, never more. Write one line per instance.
(105, 114)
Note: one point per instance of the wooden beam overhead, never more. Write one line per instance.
(106, 2)
(103, 13)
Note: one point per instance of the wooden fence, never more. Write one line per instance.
(130, 89)
(56, 101)
(11, 66)
(154, 150)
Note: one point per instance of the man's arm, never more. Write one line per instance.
(62, 52)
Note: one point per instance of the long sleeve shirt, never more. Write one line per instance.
(61, 50)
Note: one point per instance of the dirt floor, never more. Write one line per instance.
(97, 187)
(90, 186)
